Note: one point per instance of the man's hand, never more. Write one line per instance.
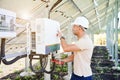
(59, 34)
(59, 62)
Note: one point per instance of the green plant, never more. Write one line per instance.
(64, 56)
(56, 77)
(8, 79)
(17, 72)
(17, 78)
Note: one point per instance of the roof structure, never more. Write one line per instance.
(98, 12)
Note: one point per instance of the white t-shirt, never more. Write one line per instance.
(82, 58)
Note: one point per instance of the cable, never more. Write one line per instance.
(42, 64)
(3, 54)
(52, 66)
(43, 59)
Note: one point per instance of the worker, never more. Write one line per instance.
(82, 50)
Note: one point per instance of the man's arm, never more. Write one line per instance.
(68, 47)
(69, 58)
(61, 62)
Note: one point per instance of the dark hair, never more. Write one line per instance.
(83, 28)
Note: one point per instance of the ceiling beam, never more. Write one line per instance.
(95, 26)
(101, 11)
(111, 6)
(97, 13)
(76, 6)
(83, 13)
(91, 8)
(61, 4)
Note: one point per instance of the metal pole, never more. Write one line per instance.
(69, 37)
(47, 76)
(107, 41)
(28, 46)
(69, 53)
(27, 71)
(108, 38)
(112, 35)
(116, 33)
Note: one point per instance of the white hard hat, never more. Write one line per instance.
(81, 21)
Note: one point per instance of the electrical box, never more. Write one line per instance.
(7, 23)
(46, 36)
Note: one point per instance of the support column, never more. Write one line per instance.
(27, 71)
(47, 76)
(112, 37)
(44, 14)
(116, 33)
(69, 53)
(69, 40)
(108, 38)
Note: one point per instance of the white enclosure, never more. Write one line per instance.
(46, 36)
(7, 23)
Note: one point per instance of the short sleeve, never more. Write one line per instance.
(81, 44)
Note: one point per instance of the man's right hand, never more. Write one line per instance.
(58, 62)
(59, 34)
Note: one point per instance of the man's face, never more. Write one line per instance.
(75, 29)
